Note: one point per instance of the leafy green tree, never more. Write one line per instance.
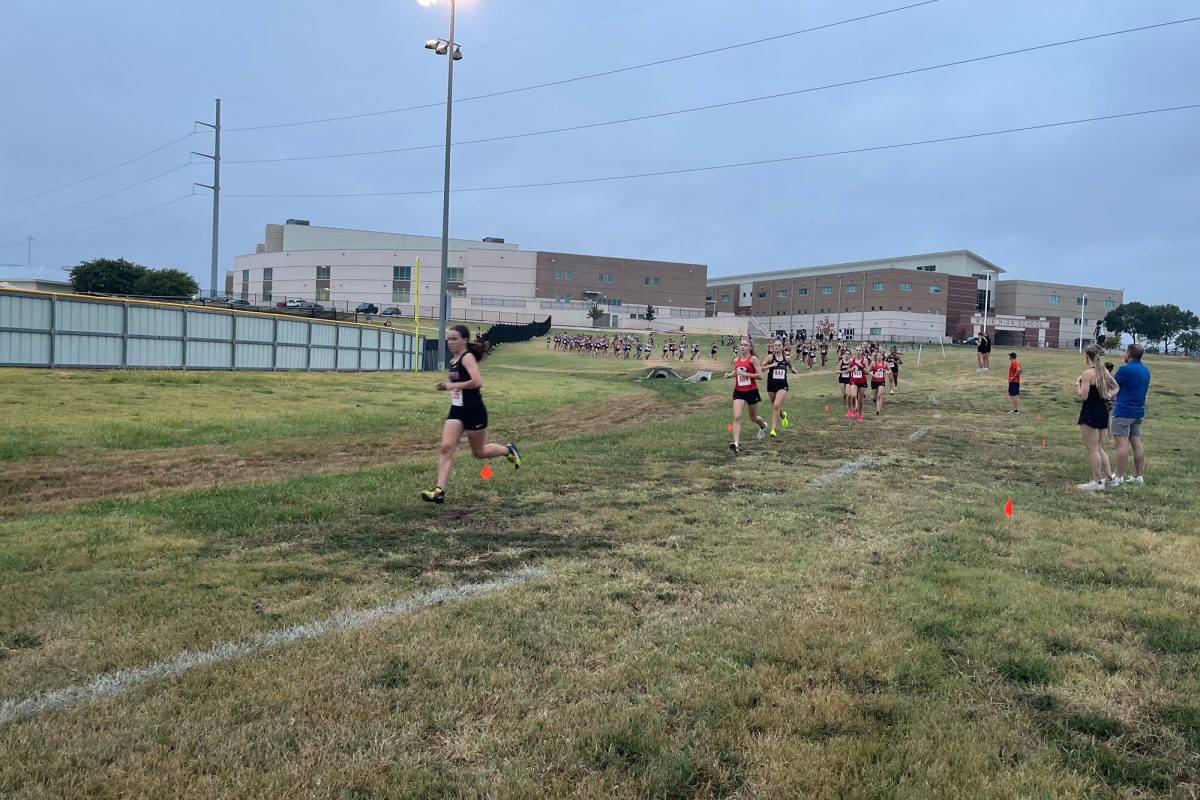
(167, 283)
(1174, 321)
(1190, 342)
(106, 276)
(649, 313)
(595, 312)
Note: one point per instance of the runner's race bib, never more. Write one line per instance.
(456, 397)
(781, 374)
(742, 378)
(856, 373)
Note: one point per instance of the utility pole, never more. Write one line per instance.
(216, 190)
(29, 252)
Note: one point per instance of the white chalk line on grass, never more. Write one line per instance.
(111, 683)
(842, 471)
(917, 436)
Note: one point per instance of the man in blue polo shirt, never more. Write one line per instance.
(1134, 379)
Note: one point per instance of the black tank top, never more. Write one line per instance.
(774, 370)
(470, 397)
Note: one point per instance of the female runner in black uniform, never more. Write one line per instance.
(467, 411)
(777, 368)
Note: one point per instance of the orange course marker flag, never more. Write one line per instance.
(1008, 508)
(826, 407)
(729, 427)
(486, 472)
(1039, 416)
(1043, 442)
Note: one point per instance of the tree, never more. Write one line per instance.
(168, 283)
(1190, 342)
(1173, 321)
(649, 313)
(595, 312)
(106, 276)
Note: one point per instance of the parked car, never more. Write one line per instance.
(238, 302)
(366, 308)
(390, 311)
(315, 307)
(297, 304)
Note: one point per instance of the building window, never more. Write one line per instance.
(877, 286)
(762, 295)
(323, 273)
(781, 293)
(649, 281)
(935, 290)
(905, 286)
(558, 274)
(268, 273)
(1054, 299)
(1110, 303)
(610, 277)
(245, 276)
(266, 295)
(610, 301)
(1081, 301)
(459, 292)
(826, 290)
(927, 268)
(402, 273)
(852, 288)
(725, 298)
(802, 292)
(401, 295)
(245, 295)
(979, 276)
(876, 331)
(458, 274)
(599, 277)
(567, 275)
(323, 294)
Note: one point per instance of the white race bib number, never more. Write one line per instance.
(742, 380)
(780, 374)
(456, 397)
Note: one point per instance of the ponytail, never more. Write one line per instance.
(1103, 380)
(480, 350)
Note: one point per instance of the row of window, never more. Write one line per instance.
(852, 288)
(600, 278)
(1080, 301)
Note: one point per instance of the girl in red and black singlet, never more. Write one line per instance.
(824, 348)
(777, 368)
(858, 382)
(894, 361)
(746, 371)
(467, 411)
(879, 373)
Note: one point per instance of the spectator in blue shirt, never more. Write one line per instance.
(1134, 379)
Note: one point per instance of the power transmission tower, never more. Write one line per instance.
(216, 190)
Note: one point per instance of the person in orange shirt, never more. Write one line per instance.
(1014, 381)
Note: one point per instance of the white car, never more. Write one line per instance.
(297, 304)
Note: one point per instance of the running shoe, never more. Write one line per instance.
(1136, 480)
(785, 420)
(434, 495)
(1091, 486)
(773, 434)
(848, 414)
(860, 416)
(734, 447)
(513, 456)
(762, 432)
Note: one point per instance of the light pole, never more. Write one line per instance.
(1082, 312)
(445, 47)
(29, 252)
(987, 285)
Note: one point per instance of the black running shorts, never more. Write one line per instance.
(752, 397)
(473, 418)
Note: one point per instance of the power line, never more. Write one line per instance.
(424, 61)
(100, 197)
(579, 78)
(713, 106)
(104, 224)
(98, 174)
(738, 165)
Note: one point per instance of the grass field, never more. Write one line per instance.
(707, 625)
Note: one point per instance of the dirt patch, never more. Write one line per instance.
(56, 482)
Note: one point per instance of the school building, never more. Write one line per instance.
(931, 297)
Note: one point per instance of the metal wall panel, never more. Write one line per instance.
(84, 316)
(291, 357)
(158, 353)
(347, 359)
(349, 337)
(369, 360)
(321, 358)
(255, 329)
(253, 356)
(21, 347)
(210, 355)
(210, 325)
(71, 350)
(24, 312)
(152, 321)
(324, 334)
(370, 339)
(385, 361)
(293, 332)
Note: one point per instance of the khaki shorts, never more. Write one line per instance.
(1127, 428)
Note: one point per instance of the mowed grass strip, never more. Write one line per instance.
(714, 626)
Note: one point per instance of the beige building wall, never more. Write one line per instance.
(1063, 301)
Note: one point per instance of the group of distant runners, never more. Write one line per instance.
(616, 346)
(1109, 401)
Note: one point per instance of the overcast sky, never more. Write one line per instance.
(1115, 203)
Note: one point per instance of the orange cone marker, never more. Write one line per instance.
(1008, 508)
(729, 427)
(1038, 417)
(486, 472)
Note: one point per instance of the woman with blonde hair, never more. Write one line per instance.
(1097, 388)
(747, 371)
